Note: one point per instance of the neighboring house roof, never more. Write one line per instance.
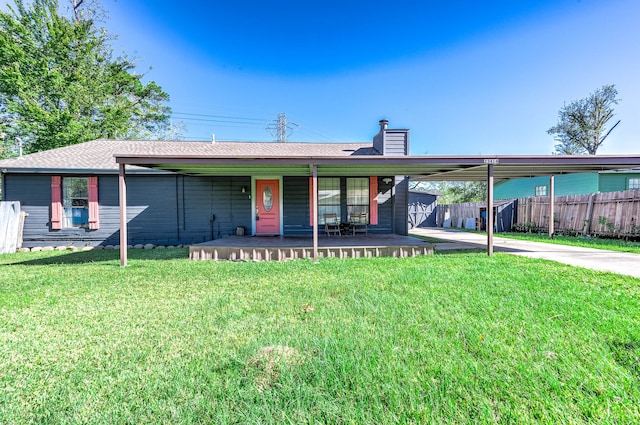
(98, 155)
(623, 170)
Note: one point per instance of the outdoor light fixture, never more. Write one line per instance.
(387, 180)
(244, 189)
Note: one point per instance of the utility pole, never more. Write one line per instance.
(282, 128)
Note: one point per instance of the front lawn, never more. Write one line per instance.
(457, 338)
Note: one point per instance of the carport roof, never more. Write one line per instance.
(428, 168)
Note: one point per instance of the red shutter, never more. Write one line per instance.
(94, 223)
(56, 203)
(373, 200)
(312, 213)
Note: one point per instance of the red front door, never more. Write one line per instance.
(267, 207)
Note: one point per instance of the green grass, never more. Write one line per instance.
(440, 339)
(598, 243)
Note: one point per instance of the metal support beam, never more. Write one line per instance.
(490, 210)
(314, 197)
(122, 183)
(551, 205)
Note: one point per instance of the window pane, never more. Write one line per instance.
(329, 191)
(328, 198)
(634, 183)
(328, 209)
(357, 196)
(541, 190)
(75, 200)
(267, 199)
(75, 189)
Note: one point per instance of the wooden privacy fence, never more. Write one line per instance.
(472, 215)
(608, 213)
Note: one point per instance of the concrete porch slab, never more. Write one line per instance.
(282, 248)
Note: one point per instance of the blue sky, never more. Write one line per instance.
(467, 77)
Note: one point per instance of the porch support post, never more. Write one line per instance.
(490, 210)
(551, 205)
(122, 183)
(314, 197)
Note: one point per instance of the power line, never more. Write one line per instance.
(218, 116)
(280, 128)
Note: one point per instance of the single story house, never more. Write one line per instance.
(72, 193)
(570, 184)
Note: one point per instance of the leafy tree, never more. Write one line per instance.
(61, 85)
(455, 192)
(581, 127)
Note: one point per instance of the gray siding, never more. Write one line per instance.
(385, 208)
(164, 209)
(231, 207)
(392, 142)
(396, 143)
(401, 206)
(175, 209)
(295, 213)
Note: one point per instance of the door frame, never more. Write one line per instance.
(253, 201)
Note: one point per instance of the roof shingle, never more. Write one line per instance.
(98, 155)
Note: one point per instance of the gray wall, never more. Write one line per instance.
(295, 201)
(175, 209)
(296, 207)
(162, 209)
(391, 142)
(401, 206)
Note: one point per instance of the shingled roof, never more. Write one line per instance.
(98, 155)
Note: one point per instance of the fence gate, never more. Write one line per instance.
(9, 226)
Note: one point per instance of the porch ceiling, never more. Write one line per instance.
(433, 168)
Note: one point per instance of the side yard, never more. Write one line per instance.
(456, 338)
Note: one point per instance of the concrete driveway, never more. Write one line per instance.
(596, 259)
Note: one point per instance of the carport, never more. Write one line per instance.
(487, 168)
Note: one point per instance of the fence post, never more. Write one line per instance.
(589, 217)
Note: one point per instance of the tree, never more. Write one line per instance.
(581, 127)
(61, 85)
(455, 192)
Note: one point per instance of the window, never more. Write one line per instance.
(360, 197)
(541, 190)
(328, 198)
(75, 202)
(634, 184)
(357, 196)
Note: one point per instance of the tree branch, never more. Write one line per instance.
(76, 7)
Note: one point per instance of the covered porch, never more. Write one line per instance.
(428, 168)
(283, 248)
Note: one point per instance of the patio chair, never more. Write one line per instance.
(331, 224)
(359, 223)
